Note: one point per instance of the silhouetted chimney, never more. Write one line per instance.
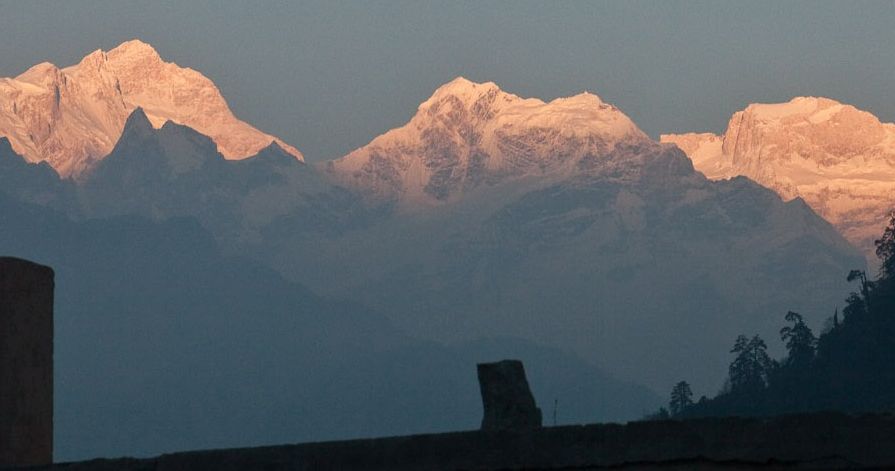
(507, 400)
(26, 363)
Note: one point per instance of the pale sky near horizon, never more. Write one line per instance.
(329, 76)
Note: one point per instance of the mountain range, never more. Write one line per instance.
(488, 226)
(505, 214)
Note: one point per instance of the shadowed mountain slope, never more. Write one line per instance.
(163, 343)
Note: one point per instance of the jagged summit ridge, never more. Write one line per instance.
(72, 117)
(462, 88)
(134, 48)
(838, 158)
(467, 134)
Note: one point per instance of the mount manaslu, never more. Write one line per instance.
(469, 134)
(488, 226)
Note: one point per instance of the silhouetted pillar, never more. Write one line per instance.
(26, 363)
(507, 400)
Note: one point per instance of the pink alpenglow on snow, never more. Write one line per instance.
(839, 159)
(72, 117)
(468, 133)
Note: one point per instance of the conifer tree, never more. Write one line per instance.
(681, 398)
(885, 249)
(752, 365)
(800, 341)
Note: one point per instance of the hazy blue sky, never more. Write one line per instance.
(329, 76)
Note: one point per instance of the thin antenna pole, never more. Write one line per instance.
(555, 404)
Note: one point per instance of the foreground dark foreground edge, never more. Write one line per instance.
(812, 441)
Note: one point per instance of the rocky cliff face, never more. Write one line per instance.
(72, 117)
(839, 159)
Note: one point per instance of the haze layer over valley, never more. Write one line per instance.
(488, 226)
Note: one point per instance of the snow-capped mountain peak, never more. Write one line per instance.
(802, 106)
(584, 113)
(839, 159)
(467, 134)
(462, 89)
(41, 74)
(134, 48)
(72, 117)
